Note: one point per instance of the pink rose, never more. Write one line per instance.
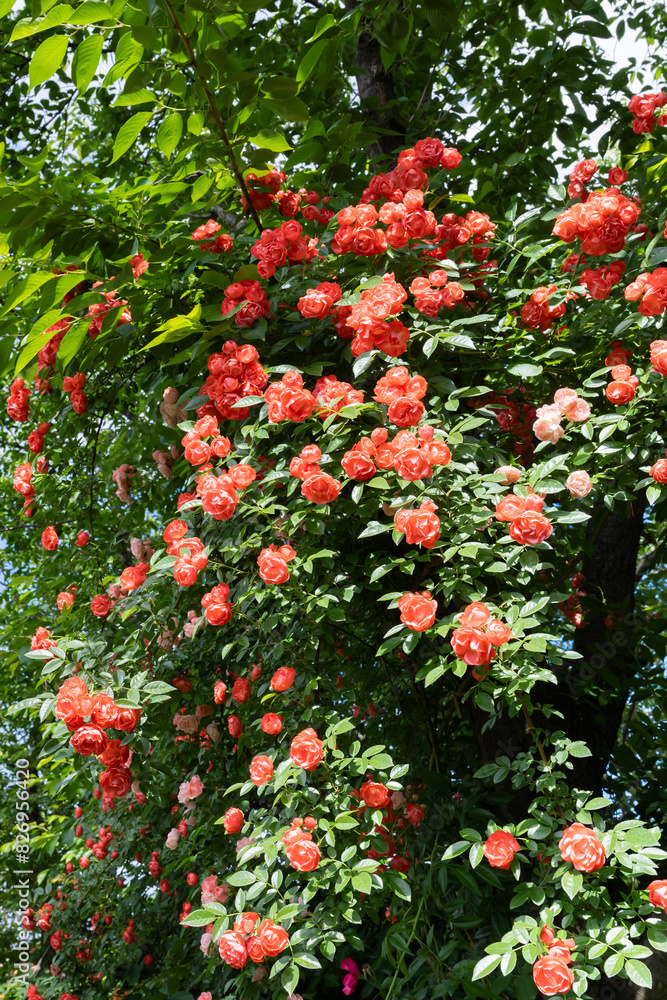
(579, 484)
(173, 838)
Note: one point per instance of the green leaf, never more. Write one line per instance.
(30, 26)
(86, 60)
(128, 133)
(485, 966)
(6, 6)
(266, 139)
(572, 883)
(613, 965)
(290, 978)
(325, 22)
(525, 370)
(46, 59)
(142, 96)
(169, 133)
(306, 961)
(91, 12)
(241, 878)
(292, 109)
(310, 60)
(639, 973)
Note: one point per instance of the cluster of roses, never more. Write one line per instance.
(412, 456)
(537, 312)
(267, 190)
(234, 373)
(249, 300)
(99, 847)
(318, 302)
(288, 400)
(198, 452)
(23, 484)
(36, 438)
(46, 358)
(217, 493)
(189, 552)
(73, 705)
(527, 525)
(217, 609)
(580, 175)
(397, 812)
(305, 752)
(280, 246)
(133, 577)
(455, 232)
(245, 941)
(600, 280)
(221, 244)
(98, 311)
(272, 182)
(601, 222)
(651, 290)
(421, 526)
(405, 220)
(369, 318)
(273, 561)
(73, 384)
(623, 385)
(18, 406)
(643, 108)
(433, 293)
(302, 852)
(478, 637)
(514, 416)
(402, 395)
(122, 477)
(408, 175)
(567, 403)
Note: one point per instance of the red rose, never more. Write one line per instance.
(241, 690)
(414, 813)
(242, 476)
(197, 452)
(497, 632)
(421, 526)
(218, 614)
(219, 692)
(375, 794)
(657, 893)
(234, 726)
(115, 782)
(89, 740)
(412, 464)
(472, 646)
(219, 503)
(100, 605)
(271, 723)
(580, 846)
(530, 528)
(82, 539)
(552, 976)
(104, 711)
(115, 755)
(320, 487)
(233, 950)
(255, 950)
(50, 539)
(272, 567)
(283, 678)
(306, 749)
(500, 848)
(659, 471)
(273, 938)
(304, 855)
(406, 411)
(261, 769)
(620, 393)
(358, 466)
(417, 611)
(233, 820)
(126, 719)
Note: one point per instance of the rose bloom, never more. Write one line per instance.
(115, 755)
(552, 976)
(581, 847)
(497, 632)
(273, 938)
(272, 568)
(320, 487)
(548, 427)
(304, 855)
(261, 769)
(412, 464)
(417, 611)
(241, 690)
(100, 605)
(659, 471)
(357, 466)
(126, 719)
(530, 528)
(219, 692)
(500, 848)
(406, 411)
(421, 526)
(620, 393)
(657, 893)
(579, 484)
(255, 951)
(233, 950)
(104, 711)
(233, 820)
(271, 723)
(375, 794)
(89, 740)
(306, 749)
(283, 678)
(510, 472)
(115, 781)
(414, 813)
(234, 726)
(472, 646)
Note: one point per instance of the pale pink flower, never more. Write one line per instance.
(205, 996)
(196, 787)
(202, 710)
(579, 484)
(205, 943)
(213, 732)
(184, 792)
(259, 974)
(186, 723)
(564, 398)
(173, 838)
(579, 410)
(547, 426)
(510, 472)
(397, 799)
(172, 414)
(244, 842)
